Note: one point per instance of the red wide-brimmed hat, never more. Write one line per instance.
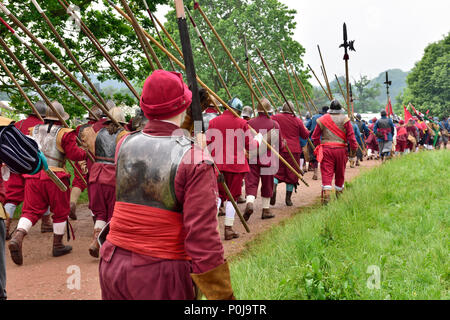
(164, 95)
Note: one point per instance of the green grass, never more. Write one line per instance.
(395, 217)
(83, 197)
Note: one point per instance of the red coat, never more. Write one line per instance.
(25, 125)
(229, 154)
(292, 128)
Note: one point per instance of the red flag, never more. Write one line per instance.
(407, 115)
(389, 108)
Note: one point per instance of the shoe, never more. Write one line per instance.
(315, 174)
(15, 246)
(46, 224)
(288, 198)
(73, 210)
(94, 247)
(241, 199)
(248, 211)
(230, 233)
(273, 199)
(325, 197)
(266, 214)
(59, 249)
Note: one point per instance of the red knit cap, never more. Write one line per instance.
(401, 122)
(164, 95)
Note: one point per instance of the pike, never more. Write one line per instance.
(55, 60)
(146, 47)
(342, 93)
(290, 81)
(208, 53)
(325, 76)
(50, 173)
(303, 90)
(192, 83)
(48, 68)
(157, 31)
(347, 45)
(250, 78)
(325, 91)
(262, 85)
(68, 51)
(99, 47)
(261, 79)
(181, 65)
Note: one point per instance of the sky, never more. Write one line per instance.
(388, 34)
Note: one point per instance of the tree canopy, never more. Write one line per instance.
(429, 81)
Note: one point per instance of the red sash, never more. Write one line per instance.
(328, 122)
(149, 231)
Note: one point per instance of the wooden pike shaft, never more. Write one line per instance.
(325, 91)
(157, 31)
(301, 90)
(181, 65)
(68, 51)
(60, 65)
(268, 84)
(144, 42)
(55, 179)
(174, 44)
(230, 56)
(290, 81)
(325, 76)
(350, 115)
(211, 58)
(262, 85)
(100, 48)
(300, 84)
(24, 95)
(342, 92)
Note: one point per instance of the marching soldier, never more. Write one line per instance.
(331, 135)
(102, 176)
(261, 164)
(15, 185)
(163, 235)
(57, 143)
(292, 129)
(384, 130)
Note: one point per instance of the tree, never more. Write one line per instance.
(115, 33)
(429, 80)
(365, 95)
(267, 24)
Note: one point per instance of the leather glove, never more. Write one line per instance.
(215, 284)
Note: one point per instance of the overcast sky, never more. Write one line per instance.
(388, 33)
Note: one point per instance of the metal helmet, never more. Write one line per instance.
(335, 105)
(236, 104)
(118, 115)
(110, 105)
(51, 115)
(97, 111)
(287, 107)
(247, 111)
(41, 107)
(358, 116)
(264, 104)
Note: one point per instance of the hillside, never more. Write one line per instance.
(398, 78)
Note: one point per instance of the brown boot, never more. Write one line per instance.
(273, 199)
(230, 233)
(338, 194)
(315, 174)
(15, 246)
(266, 214)
(94, 247)
(288, 198)
(241, 199)
(248, 211)
(59, 249)
(8, 226)
(325, 196)
(73, 210)
(46, 224)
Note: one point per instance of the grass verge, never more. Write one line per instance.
(385, 238)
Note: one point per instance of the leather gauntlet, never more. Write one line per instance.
(215, 284)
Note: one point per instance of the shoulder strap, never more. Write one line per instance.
(328, 122)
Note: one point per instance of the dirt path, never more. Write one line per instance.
(44, 277)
